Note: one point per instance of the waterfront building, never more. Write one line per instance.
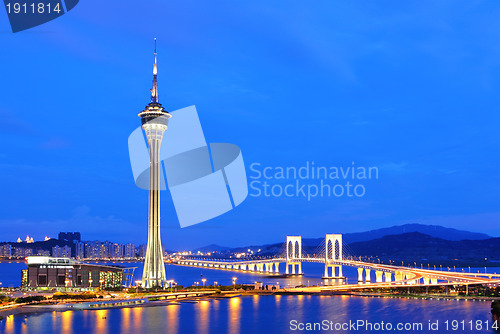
(154, 120)
(58, 251)
(129, 251)
(96, 250)
(115, 251)
(142, 251)
(6, 250)
(80, 250)
(61, 273)
(22, 252)
(43, 252)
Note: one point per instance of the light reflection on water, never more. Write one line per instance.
(202, 319)
(252, 314)
(234, 315)
(9, 274)
(173, 318)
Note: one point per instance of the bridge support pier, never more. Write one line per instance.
(368, 278)
(388, 276)
(293, 264)
(434, 281)
(360, 275)
(379, 276)
(426, 280)
(334, 271)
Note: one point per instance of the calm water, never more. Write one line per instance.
(10, 274)
(254, 314)
(264, 314)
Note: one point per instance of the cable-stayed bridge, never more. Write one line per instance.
(335, 255)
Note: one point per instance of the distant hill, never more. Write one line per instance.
(418, 235)
(416, 246)
(44, 245)
(211, 248)
(431, 230)
(436, 231)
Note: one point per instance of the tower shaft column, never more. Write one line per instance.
(154, 268)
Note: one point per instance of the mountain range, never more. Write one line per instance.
(436, 231)
(404, 243)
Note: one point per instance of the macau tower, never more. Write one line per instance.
(154, 123)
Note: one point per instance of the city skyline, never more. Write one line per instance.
(417, 102)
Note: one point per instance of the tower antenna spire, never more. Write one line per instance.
(154, 90)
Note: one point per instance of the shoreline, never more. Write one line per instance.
(68, 306)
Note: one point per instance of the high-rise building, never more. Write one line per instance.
(154, 120)
(115, 251)
(58, 251)
(70, 236)
(142, 251)
(129, 251)
(95, 250)
(43, 252)
(22, 252)
(6, 250)
(80, 250)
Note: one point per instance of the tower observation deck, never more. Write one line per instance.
(154, 123)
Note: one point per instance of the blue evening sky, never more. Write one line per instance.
(411, 87)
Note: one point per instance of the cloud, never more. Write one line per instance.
(10, 123)
(54, 144)
(398, 167)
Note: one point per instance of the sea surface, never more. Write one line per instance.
(10, 274)
(266, 314)
(258, 314)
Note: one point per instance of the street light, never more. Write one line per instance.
(203, 280)
(171, 284)
(215, 283)
(234, 283)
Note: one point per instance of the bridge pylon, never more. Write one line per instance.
(333, 256)
(293, 254)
